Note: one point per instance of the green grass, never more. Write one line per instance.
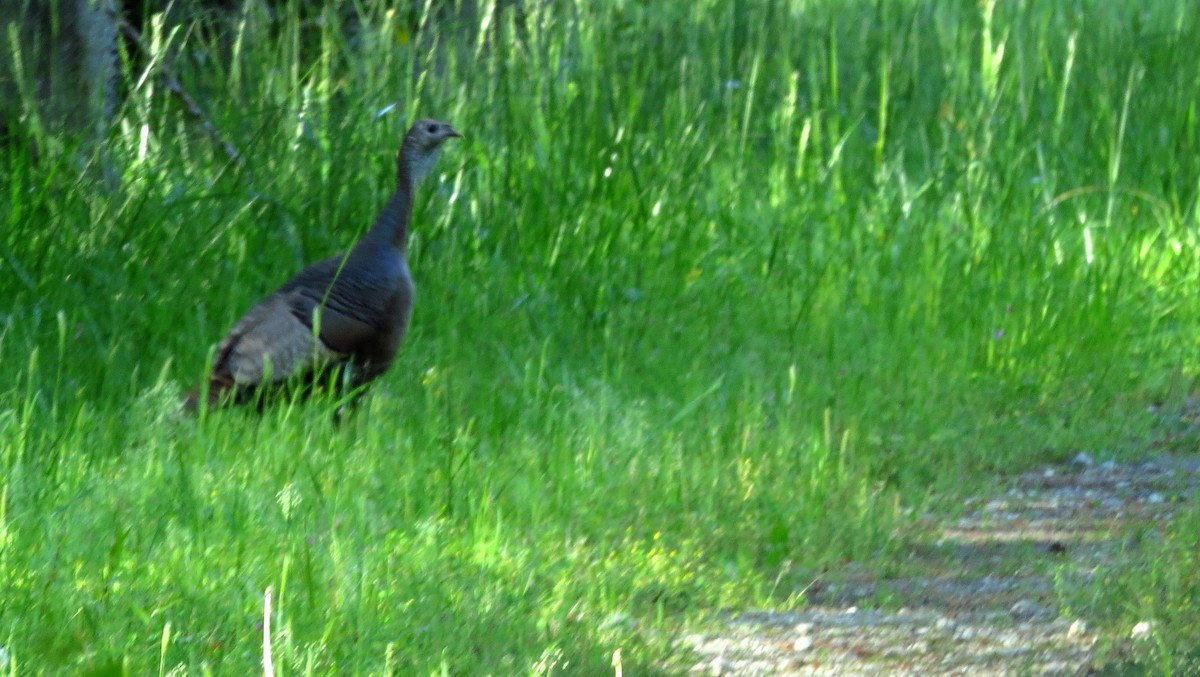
(1153, 580)
(711, 293)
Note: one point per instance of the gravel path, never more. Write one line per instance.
(983, 602)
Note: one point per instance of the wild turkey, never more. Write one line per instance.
(339, 321)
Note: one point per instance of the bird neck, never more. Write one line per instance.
(412, 164)
(393, 223)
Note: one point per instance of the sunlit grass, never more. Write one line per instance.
(709, 293)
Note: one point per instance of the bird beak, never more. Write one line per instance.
(454, 133)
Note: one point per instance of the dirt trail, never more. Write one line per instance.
(983, 602)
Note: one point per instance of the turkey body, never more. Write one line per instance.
(341, 312)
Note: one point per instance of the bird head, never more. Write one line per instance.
(423, 144)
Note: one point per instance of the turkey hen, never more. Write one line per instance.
(339, 321)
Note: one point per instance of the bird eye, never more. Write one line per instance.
(431, 128)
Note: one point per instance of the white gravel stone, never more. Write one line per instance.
(1028, 610)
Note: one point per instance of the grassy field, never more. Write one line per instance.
(711, 298)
